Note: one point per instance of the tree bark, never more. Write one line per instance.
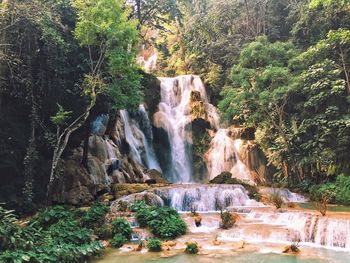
(63, 140)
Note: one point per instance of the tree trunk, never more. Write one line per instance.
(85, 158)
(63, 140)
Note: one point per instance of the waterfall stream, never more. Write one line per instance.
(140, 147)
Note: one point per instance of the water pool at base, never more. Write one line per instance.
(309, 256)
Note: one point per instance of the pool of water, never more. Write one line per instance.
(312, 256)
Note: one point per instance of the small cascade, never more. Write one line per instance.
(287, 196)
(140, 147)
(202, 198)
(223, 155)
(293, 227)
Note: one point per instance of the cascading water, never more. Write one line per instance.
(295, 227)
(202, 198)
(223, 156)
(174, 117)
(140, 147)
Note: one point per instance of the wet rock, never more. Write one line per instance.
(223, 178)
(197, 106)
(291, 249)
(198, 220)
(216, 242)
(75, 187)
(156, 176)
(150, 181)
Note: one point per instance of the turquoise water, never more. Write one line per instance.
(315, 256)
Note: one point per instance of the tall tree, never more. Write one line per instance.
(104, 29)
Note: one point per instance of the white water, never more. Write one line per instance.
(223, 155)
(202, 198)
(287, 196)
(174, 117)
(292, 227)
(140, 148)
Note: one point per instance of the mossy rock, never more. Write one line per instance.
(120, 190)
(197, 107)
(157, 177)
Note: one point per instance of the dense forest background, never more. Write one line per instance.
(280, 66)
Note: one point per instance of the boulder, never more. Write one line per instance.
(75, 187)
(155, 177)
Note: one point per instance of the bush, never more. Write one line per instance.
(94, 217)
(118, 241)
(164, 222)
(276, 199)
(191, 248)
(337, 192)
(46, 238)
(121, 226)
(105, 231)
(228, 220)
(52, 215)
(154, 245)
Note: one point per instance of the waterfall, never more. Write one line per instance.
(289, 227)
(199, 197)
(174, 117)
(223, 155)
(140, 147)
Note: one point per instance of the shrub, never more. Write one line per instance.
(94, 217)
(121, 226)
(191, 248)
(164, 222)
(136, 206)
(122, 206)
(337, 192)
(64, 240)
(118, 241)
(105, 231)
(276, 199)
(52, 215)
(154, 245)
(228, 220)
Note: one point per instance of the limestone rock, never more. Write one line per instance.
(156, 176)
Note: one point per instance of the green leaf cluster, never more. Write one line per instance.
(164, 222)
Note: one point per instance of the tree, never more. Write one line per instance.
(259, 95)
(104, 29)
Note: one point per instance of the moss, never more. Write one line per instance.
(198, 110)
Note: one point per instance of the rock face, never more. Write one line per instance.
(122, 155)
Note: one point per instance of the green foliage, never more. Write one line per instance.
(228, 219)
(164, 222)
(95, 215)
(154, 245)
(104, 232)
(61, 116)
(53, 215)
(121, 226)
(191, 248)
(116, 37)
(336, 192)
(46, 238)
(118, 241)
